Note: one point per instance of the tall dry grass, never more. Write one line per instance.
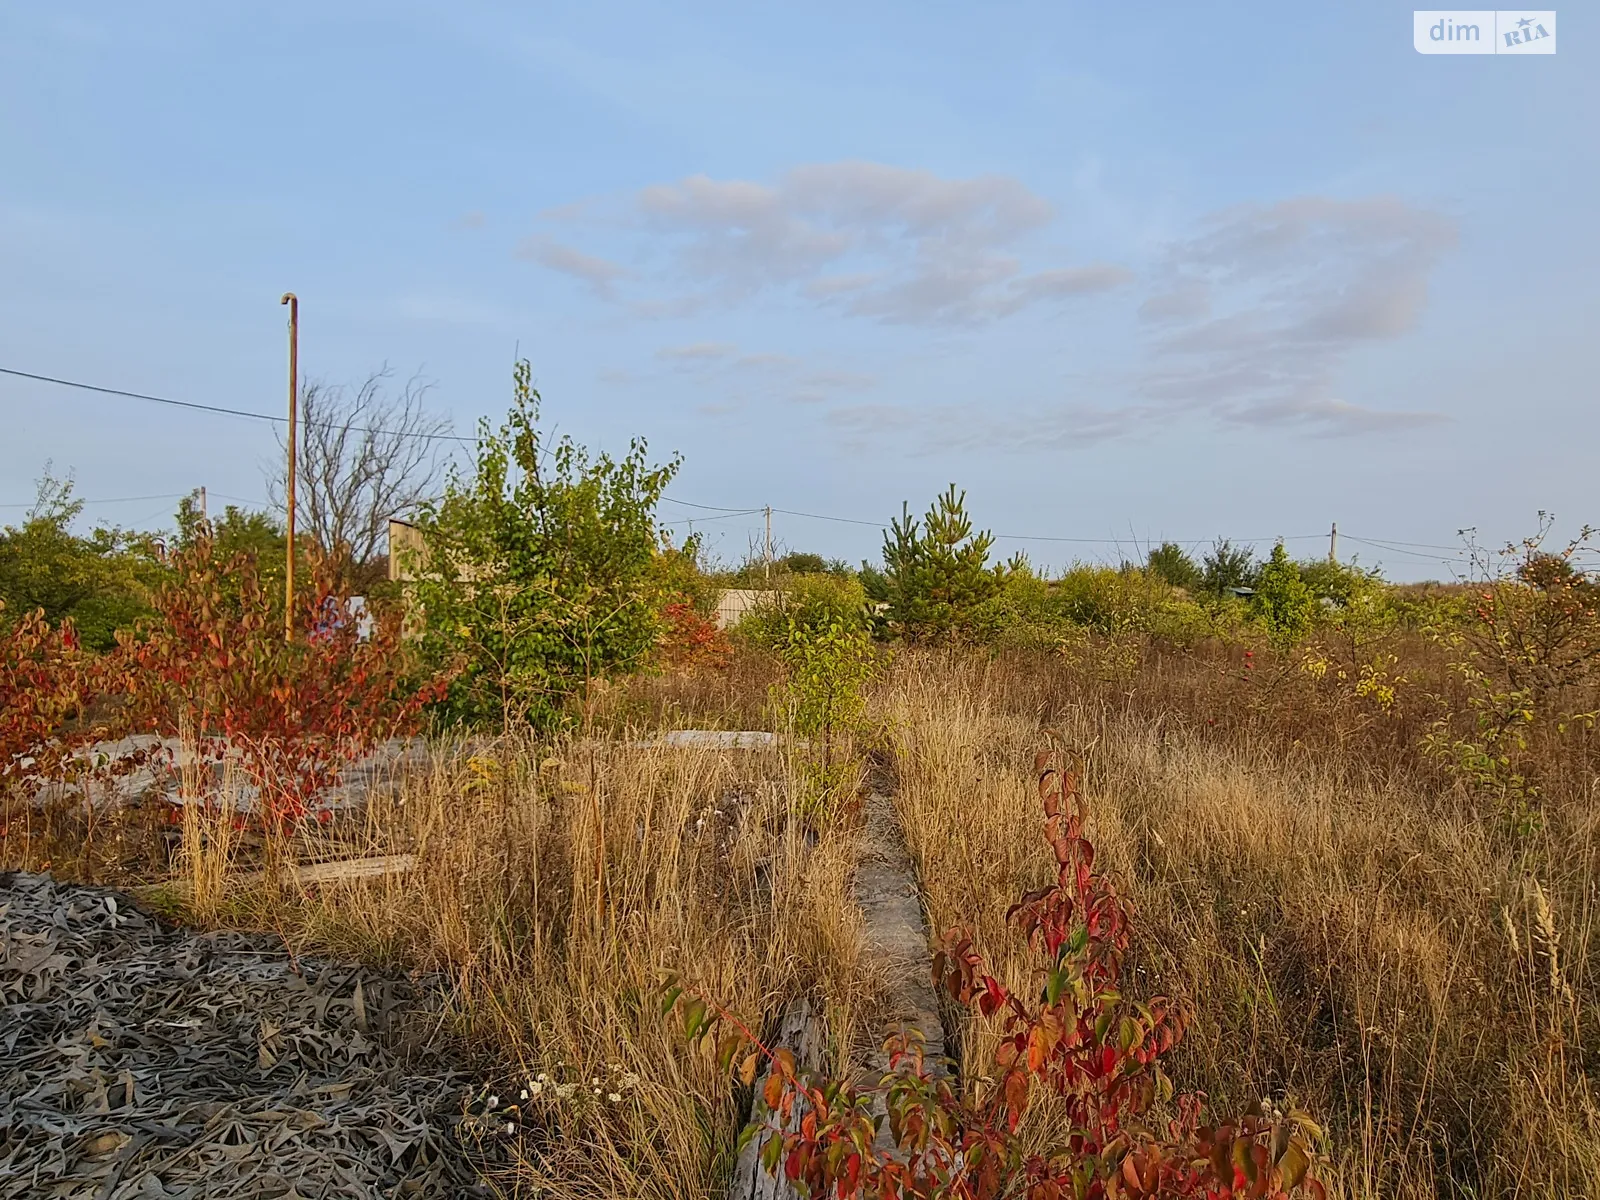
(554, 888)
(1376, 951)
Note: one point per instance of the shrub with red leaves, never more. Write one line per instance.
(689, 639)
(215, 661)
(48, 684)
(1082, 1042)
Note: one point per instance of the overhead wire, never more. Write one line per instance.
(1394, 546)
(222, 410)
(105, 500)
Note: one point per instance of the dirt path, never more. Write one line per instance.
(897, 945)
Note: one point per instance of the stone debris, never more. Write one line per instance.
(142, 1061)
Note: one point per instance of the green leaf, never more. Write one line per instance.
(694, 1014)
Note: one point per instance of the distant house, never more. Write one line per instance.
(1242, 592)
(734, 603)
(405, 542)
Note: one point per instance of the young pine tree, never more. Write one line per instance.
(936, 572)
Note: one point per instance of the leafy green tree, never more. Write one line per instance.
(240, 531)
(936, 572)
(1227, 566)
(800, 563)
(1169, 562)
(827, 664)
(1282, 600)
(538, 569)
(100, 582)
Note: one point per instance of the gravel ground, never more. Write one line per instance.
(137, 1060)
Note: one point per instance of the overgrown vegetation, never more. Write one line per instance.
(1346, 828)
(1089, 1055)
(538, 575)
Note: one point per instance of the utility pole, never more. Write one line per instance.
(1333, 543)
(293, 302)
(203, 502)
(767, 555)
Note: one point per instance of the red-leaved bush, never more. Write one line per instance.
(1081, 1042)
(48, 687)
(42, 686)
(689, 639)
(214, 664)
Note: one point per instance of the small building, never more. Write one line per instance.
(734, 603)
(405, 543)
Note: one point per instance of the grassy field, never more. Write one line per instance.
(1351, 931)
(1354, 929)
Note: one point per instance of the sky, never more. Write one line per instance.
(1124, 273)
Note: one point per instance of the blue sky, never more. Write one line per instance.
(1123, 272)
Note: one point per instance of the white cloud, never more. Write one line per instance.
(598, 273)
(1250, 323)
(1186, 300)
(884, 242)
(698, 352)
(1265, 303)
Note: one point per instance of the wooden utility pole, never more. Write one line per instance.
(767, 554)
(293, 302)
(1333, 543)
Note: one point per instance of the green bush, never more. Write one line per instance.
(101, 582)
(1282, 602)
(826, 666)
(539, 569)
(1024, 614)
(1168, 562)
(805, 601)
(1227, 566)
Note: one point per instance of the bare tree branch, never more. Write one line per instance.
(363, 457)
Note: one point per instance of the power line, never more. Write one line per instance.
(821, 517)
(1410, 553)
(727, 516)
(107, 500)
(239, 499)
(711, 507)
(1390, 545)
(222, 410)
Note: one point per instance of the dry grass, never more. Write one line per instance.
(554, 889)
(1378, 954)
(1351, 930)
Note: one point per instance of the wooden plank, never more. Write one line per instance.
(801, 1031)
(354, 868)
(895, 936)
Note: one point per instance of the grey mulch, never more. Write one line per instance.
(138, 1060)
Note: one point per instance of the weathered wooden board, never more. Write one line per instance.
(801, 1031)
